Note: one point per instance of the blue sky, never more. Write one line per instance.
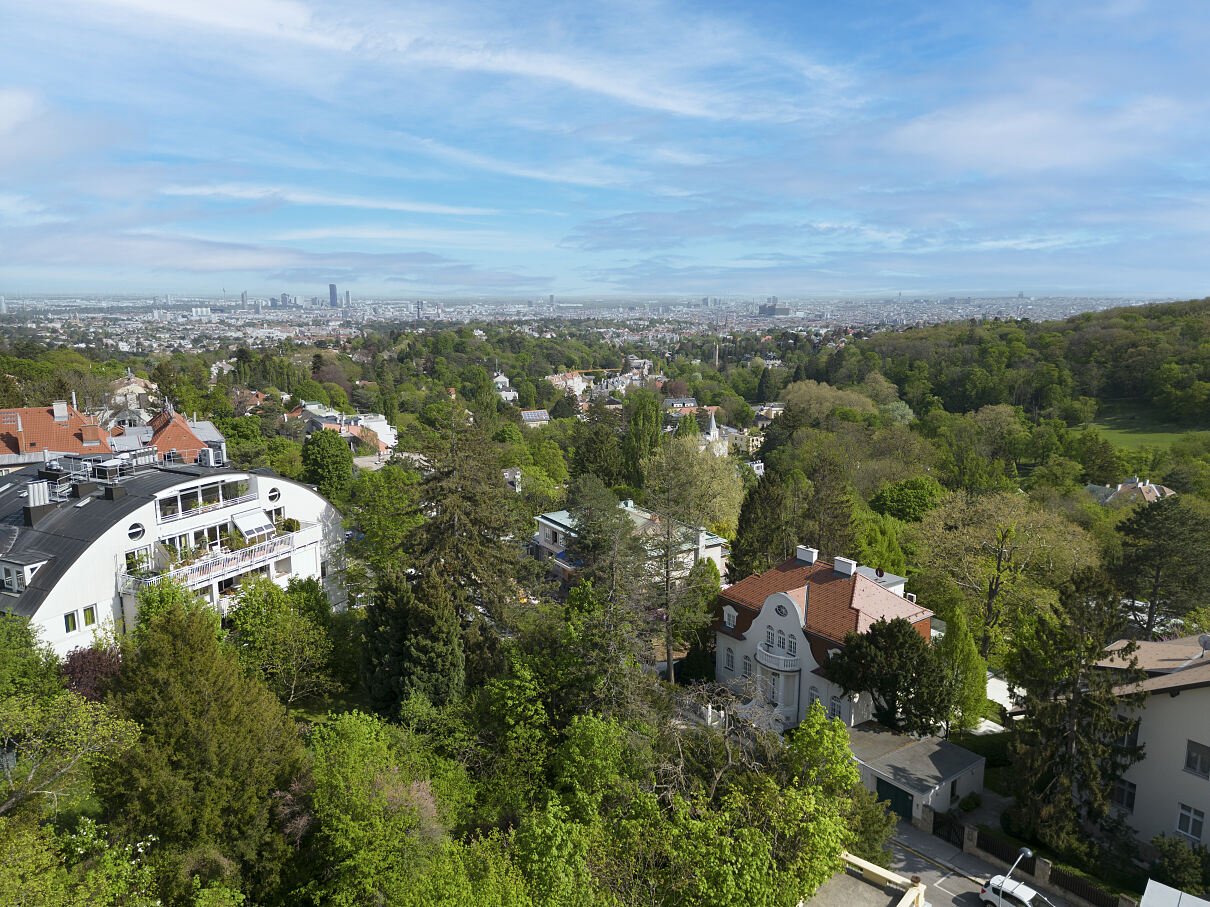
(632, 148)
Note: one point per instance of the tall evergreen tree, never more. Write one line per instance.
(764, 537)
(644, 427)
(965, 672)
(215, 745)
(434, 664)
(827, 518)
(606, 549)
(1072, 744)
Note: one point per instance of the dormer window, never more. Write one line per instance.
(728, 617)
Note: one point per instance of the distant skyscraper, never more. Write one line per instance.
(3, 306)
(285, 300)
(347, 299)
(552, 299)
(332, 301)
(243, 299)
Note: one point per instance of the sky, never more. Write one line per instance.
(794, 148)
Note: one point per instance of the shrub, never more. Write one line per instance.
(970, 801)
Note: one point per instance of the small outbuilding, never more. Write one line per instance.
(912, 772)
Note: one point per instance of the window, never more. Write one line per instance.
(90, 615)
(774, 687)
(1123, 795)
(135, 532)
(769, 637)
(834, 707)
(11, 578)
(1190, 822)
(69, 622)
(729, 618)
(1130, 735)
(730, 660)
(781, 639)
(274, 494)
(792, 647)
(747, 666)
(814, 695)
(1197, 758)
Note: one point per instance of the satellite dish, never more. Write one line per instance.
(1204, 641)
(880, 572)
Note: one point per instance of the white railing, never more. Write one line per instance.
(222, 564)
(203, 508)
(770, 659)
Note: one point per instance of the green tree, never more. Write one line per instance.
(687, 490)
(27, 667)
(328, 463)
(1165, 556)
(382, 505)
(898, 668)
(964, 671)
(605, 548)
(908, 500)
(764, 537)
(288, 648)
(215, 745)
(687, 427)
(644, 427)
(1071, 744)
(1006, 554)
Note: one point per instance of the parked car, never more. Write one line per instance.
(1015, 894)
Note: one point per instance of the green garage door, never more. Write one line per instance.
(901, 800)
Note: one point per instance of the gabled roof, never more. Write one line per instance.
(835, 604)
(34, 429)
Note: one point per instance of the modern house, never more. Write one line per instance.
(504, 391)
(1168, 792)
(80, 536)
(353, 427)
(532, 418)
(557, 528)
(774, 631)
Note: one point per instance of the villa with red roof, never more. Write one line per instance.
(775, 630)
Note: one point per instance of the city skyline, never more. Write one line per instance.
(785, 149)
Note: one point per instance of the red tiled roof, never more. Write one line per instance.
(33, 429)
(171, 432)
(835, 604)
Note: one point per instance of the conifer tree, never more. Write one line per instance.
(1072, 744)
(215, 745)
(764, 537)
(965, 672)
(434, 664)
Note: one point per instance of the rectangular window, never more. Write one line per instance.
(10, 579)
(1130, 736)
(747, 666)
(90, 615)
(730, 660)
(792, 647)
(834, 707)
(1123, 795)
(1197, 758)
(1190, 822)
(69, 622)
(729, 619)
(769, 636)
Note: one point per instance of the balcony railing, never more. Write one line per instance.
(220, 565)
(771, 659)
(206, 508)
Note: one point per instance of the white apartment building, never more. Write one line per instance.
(79, 537)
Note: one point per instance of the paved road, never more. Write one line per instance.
(945, 888)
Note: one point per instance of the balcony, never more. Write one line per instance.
(771, 659)
(222, 564)
(188, 511)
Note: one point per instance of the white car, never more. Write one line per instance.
(1015, 894)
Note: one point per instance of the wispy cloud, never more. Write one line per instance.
(296, 196)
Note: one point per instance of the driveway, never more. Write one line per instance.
(946, 888)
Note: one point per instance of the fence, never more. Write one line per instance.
(1082, 887)
(948, 829)
(1006, 851)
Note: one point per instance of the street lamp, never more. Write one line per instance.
(1023, 852)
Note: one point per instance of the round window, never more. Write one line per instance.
(135, 531)
(274, 494)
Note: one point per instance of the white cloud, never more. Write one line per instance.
(420, 236)
(297, 196)
(17, 107)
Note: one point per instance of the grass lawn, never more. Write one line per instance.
(1130, 425)
(316, 711)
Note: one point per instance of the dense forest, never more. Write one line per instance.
(469, 733)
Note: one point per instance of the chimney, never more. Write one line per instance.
(59, 408)
(845, 566)
(37, 503)
(807, 555)
(90, 433)
(73, 400)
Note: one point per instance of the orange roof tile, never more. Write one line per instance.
(33, 429)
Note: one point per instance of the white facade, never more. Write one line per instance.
(96, 591)
(775, 662)
(1168, 792)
